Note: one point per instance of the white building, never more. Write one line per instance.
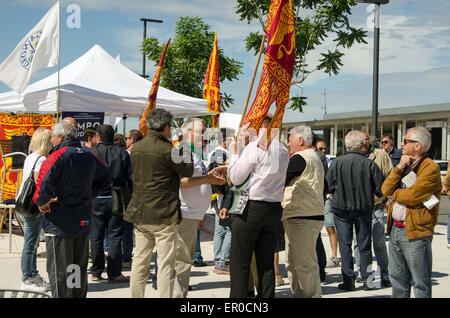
(393, 121)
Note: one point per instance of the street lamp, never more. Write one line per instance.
(145, 36)
(376, 61)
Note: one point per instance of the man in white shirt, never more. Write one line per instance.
(195, 197)
(255, 230)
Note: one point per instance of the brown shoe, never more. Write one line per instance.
(97, 278)
(279, 281)
(221, 270)
(118, 279)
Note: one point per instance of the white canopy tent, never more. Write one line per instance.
(97, 82)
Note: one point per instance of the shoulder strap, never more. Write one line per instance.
(34, 166)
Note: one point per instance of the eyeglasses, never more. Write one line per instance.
(407, 141)
(323, 149)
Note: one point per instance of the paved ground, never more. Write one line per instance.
(444, 209)
(207, 284)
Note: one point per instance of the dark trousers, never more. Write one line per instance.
(254, 231)
(363, 228)
(321, 256)
(102, 219)
(127, 241)
(67, 260)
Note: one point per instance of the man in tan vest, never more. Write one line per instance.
(303, 213)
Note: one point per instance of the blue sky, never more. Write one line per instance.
(414, 56)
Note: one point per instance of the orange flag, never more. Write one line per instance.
(276, 75)
(211, 88)
(151, 100)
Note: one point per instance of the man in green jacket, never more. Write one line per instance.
(155, 206)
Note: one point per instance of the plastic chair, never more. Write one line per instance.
(12, 293)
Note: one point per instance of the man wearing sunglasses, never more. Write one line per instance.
(410, 223)
(388, 145)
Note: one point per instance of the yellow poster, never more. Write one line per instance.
(16, 125)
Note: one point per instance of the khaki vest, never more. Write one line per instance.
(303, 196)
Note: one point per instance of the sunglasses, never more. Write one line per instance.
(384, 141)
(323, 149)
(408, 141)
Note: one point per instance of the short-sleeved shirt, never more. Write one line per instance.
(195, 201)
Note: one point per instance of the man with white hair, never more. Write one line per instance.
(411, 220)
(303, 213)
(64, 192)
(195, 199)
(354, 180)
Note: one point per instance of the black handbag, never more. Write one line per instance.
(24, 203)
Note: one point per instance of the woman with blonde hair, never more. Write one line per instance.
(39, 149)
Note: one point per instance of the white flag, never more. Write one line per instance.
(39, 49)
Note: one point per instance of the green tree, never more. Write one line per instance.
(187, 59)
(320, 20)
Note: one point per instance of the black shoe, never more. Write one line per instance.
(385, 282)
(199, 264)
(348, 285)
(323, 278)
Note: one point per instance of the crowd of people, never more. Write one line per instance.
(130, 193)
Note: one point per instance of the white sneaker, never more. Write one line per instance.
(333, 262)
(39, 281)
(30, 285)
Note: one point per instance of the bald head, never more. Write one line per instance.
(70, 120)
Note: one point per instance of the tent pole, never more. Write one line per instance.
(58, 97)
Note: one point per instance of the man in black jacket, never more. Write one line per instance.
(68, 180)
(109, 208)
(354, 180)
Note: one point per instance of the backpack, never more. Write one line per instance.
(24, 203)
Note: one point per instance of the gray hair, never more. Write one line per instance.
(65, 129)
(422, 135)
(158, 119)
(304, 132)
(190, 124)
(353, 140)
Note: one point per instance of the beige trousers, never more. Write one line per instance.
(164, 237)
(187, 236)
(301, 260)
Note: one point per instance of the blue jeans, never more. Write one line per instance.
(379, 243)
(198, 258)
(32, 227)
(410, 263)
(448, 229)
(222, 241)
(344, 228)
(127, 241)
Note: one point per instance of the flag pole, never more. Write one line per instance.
(255, 72)
(58, 96)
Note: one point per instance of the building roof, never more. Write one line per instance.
(391, 111)
(409, 113)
